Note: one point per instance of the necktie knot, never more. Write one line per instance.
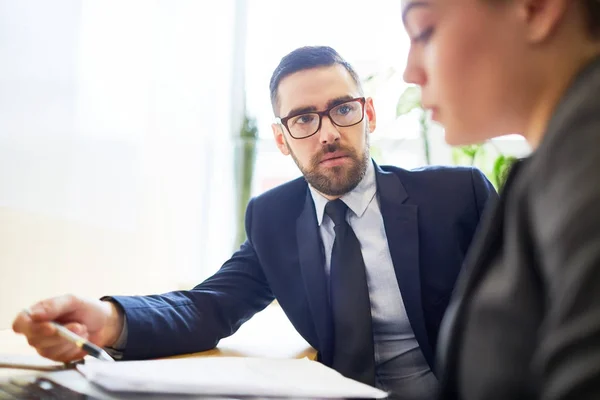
(336, 210)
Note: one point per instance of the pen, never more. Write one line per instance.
(83, 344)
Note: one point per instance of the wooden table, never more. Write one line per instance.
(268, 334)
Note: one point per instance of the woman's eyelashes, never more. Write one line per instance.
(424, 36)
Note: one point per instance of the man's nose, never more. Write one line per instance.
(328, 132)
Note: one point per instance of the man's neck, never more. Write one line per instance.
(328, 197)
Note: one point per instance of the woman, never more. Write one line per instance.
(525, 320)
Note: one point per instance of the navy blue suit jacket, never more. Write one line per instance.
(430, 216)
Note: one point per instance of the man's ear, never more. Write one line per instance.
(541, 18)
(370, 114)
(280, 139)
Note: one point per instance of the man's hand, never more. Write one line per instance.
(98, 321)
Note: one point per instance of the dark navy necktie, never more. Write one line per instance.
(353, 354)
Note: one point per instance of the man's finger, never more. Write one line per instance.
(63, 352)
(52, 309)
(70, 354)
(21, 323)
(42, 329)
(78, 329)
(53, 352)
(44, 342)
(39, 333)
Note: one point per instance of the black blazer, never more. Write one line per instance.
(430, 216)
(525, 319)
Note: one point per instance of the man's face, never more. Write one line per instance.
(334, 159)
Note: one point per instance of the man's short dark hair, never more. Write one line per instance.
(307, 58)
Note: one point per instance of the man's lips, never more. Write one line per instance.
(333, 156)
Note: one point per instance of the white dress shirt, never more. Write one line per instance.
(400, 366)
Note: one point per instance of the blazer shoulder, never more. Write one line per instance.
(430, 169)
(446, 184)
(289, 194)
(432, 174)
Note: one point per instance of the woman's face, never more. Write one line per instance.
(469, 57)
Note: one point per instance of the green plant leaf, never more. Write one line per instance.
(471, 150)
(249, 129)
(369, 78)
(409, 100)
(501, 168)
(245, 158)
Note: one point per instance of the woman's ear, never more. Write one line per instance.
(541, 18)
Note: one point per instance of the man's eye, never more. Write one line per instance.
(424, 36)
(304, 119)
(345, 109)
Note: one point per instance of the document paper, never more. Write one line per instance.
(228, 376)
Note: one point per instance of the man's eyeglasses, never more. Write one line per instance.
(301, 126)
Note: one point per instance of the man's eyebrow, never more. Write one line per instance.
(300, 110)
(410, 6)
(338, 100)
(308, 109)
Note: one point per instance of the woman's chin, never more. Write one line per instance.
(454, 138)
(461, 137)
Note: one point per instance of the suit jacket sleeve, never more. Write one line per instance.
(195, 320)
(483, 190)
(568, 236)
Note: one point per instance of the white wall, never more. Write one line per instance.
(115, 150)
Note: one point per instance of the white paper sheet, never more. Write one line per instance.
(229, 376)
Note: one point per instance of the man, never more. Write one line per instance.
(362, 258)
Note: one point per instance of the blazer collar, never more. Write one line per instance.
(400, 219)
(477, 263)
(311, 257)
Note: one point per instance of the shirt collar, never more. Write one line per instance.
(357, 200)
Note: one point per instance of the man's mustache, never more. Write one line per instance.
(331, 148)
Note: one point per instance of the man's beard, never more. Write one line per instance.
(337, 180)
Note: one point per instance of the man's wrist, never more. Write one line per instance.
(114, 323)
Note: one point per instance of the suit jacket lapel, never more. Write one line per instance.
(312, 264)
(484, 246)
(448, 338)
(402, 230)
